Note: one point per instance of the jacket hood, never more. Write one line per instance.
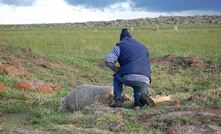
(124, 33)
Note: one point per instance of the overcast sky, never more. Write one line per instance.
(62, 11)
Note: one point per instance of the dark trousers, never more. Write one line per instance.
(139, 88)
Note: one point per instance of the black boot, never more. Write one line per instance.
(117, 103)
(145, 99)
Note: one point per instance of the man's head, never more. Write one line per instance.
(124, 33)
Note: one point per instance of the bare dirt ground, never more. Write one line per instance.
(210, 121)
(194, 62)
(23, 63)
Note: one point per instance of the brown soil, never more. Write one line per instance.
(20, 64)
(1, 65)
(48, 64)
(21, 60)
(195, 129)
(44, 89)
(193, 62)
(206, 116)
(2, 87)
(166, 60)
(11, 70)
(23, 85)
(203, 113)
(38, 86)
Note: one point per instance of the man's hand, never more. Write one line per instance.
(116, 70)
(113, 67)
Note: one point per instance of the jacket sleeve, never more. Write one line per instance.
(113, 55)
(112, 58)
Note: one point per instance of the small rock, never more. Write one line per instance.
(2, 87)
(175, 28)
(157, 28)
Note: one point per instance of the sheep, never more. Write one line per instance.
(86, 94)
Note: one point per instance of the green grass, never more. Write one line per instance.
(76, 44)
(85, 49)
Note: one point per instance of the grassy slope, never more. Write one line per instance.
(85, 49)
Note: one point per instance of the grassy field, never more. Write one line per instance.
(85, 49)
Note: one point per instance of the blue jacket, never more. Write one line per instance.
(134, 56)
